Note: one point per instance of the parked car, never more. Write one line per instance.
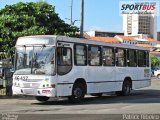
(156, 72)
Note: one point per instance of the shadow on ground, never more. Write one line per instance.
(138, 96)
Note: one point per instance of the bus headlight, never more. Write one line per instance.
(48, 85)
(44, 85)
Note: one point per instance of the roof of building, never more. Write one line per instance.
(144, 45)
(155, 52)
(85, 35)
(126, 37)
(151, 40)
(106, 39)
(106, 31)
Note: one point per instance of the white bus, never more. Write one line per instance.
(58, 66)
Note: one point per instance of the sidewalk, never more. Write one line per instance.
(17, 97)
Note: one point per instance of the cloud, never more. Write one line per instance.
(111, 28)
(95, 28)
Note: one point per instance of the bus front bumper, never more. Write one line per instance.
(48, 92)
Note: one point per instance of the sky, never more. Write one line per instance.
(102, 15)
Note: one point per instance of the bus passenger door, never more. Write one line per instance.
(64, 68)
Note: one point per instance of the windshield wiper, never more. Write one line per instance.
(35, 59)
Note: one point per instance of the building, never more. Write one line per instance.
(106, 39)
(102, 34)
(136, 24)
(150, 43)
(126, 39)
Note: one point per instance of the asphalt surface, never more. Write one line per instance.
(145, 101)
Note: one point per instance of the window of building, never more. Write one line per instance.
(120, 57)
(80, 55)
(108, 56)
(94, 55)
(132, 58)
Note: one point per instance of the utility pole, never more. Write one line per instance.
(82, 18)
(71, 12)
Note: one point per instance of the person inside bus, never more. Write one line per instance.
(109, 61)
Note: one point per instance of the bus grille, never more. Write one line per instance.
(31, 85)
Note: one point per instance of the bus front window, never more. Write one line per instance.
(35, 60)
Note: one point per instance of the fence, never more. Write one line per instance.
(3, 92)
(6, 88)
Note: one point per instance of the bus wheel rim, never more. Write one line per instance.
(77, 93)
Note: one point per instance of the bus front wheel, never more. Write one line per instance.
(78, 93)
(42, 98)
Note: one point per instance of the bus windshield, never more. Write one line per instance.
(35, 60)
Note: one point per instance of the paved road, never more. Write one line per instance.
(144, 101)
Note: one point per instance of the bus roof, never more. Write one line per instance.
(95, 42)
(51, 39)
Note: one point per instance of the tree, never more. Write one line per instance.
(155, 61)
(22, 19)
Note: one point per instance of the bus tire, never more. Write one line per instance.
(126, 89)
(97, 94)
(42, 98)
(78, 93)
(119, 93)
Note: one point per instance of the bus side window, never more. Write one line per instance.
(147, 58)
(80, 55)
(120, 57)
(141, 58)
(94, 55)
(131, 58)
(108, 56)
